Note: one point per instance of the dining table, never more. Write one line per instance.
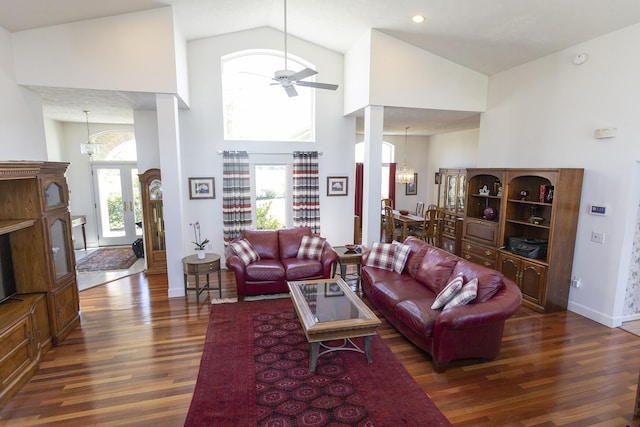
(406, 221)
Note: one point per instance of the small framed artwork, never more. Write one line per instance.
(332, 290)
(337, 185)
(411, 189)
(202, 188)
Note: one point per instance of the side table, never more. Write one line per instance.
(349, 257)
(194, 266)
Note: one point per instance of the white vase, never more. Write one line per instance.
(200, 253)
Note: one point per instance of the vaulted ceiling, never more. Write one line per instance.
(488, 36)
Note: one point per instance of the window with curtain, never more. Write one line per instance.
(236, 194)
(256, 110)
(306, 190)
(388, 152)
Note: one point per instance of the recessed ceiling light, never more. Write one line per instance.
(418, 19)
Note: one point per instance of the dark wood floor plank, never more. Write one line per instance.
(135, 358)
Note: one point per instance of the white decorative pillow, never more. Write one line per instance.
(244, 249)
(400, 257)
(449, 291)
(467, 294)
(310, 247)
(382, 255)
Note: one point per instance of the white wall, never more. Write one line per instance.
(454, 150)
(543, 114)
(202, 132)
(131, 52)
(21, 122)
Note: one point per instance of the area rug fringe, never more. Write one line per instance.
(250, 298)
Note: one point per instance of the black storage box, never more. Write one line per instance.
(528, 247)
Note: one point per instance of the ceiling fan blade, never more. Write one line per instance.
(291, 91)
(318, 85)
(302, 74)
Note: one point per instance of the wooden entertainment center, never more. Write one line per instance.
(34, 212)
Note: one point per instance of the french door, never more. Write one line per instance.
(118, 206)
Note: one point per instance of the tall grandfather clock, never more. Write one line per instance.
(153, 221)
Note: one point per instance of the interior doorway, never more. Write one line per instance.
(117, 202)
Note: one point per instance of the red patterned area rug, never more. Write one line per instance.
(254, 372)
(105, 259)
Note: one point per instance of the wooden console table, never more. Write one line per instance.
(80, 221)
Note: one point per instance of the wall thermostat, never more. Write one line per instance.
(598, 210)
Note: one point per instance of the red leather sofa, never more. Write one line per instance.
(472, 331)
(278, 262)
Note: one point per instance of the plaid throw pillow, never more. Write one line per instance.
(382, 255)
(467, 294)
(245, 251)
(448, 292)
(400, 257)
(310, 248)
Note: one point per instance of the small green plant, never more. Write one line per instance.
(267, 193)
(200, 244)
(265, 221)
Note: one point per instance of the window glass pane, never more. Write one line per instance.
(255, 108)
(271, 196)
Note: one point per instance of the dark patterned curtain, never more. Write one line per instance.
(392, 182)
(306, 192)
(357, 209)
(236, 194)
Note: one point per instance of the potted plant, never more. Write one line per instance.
(200, 244)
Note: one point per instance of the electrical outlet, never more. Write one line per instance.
(597, 237)
(576, 282)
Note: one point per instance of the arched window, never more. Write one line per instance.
(115, 146)
(255, 107)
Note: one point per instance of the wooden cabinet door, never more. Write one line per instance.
(509, 266)
(533, 278)
(41, 327)
(65, 307)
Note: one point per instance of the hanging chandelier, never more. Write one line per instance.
(88, 147)
(405, 175)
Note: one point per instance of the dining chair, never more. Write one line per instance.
(433, 229)
(390, 229)
(383, 221)
(420, 208)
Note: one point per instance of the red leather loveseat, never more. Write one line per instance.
(471, 331)
(278, 261)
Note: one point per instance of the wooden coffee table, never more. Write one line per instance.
(329, 310)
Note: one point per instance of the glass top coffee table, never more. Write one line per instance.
(329, 310)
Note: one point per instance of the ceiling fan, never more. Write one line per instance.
(289, 79)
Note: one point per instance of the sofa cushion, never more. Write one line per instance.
(489, 281)
(400, 257)
(417, 315)
(268, 270)
(436, 268)
(418, 249)
(449, 291)
(244, 249)
(265, 242)
(381, 256)
(465, 295)
(310, 248)
(398, 288)
(297, 269)
(289, 240)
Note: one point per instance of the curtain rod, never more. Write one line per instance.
(280, 154)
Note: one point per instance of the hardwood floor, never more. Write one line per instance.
(135, 358)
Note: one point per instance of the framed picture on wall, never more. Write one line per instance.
(411, 189)
(202, 188)
(337, 185)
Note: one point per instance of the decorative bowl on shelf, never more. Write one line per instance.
(490, 213)
(350, 247)
(403, 211)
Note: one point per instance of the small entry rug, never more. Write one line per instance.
(254, 372)
(104, 259)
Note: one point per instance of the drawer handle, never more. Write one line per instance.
(488, 252)
(467, 256)
(467, 246)
(487, 264)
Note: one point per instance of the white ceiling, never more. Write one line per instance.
(488, 36)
